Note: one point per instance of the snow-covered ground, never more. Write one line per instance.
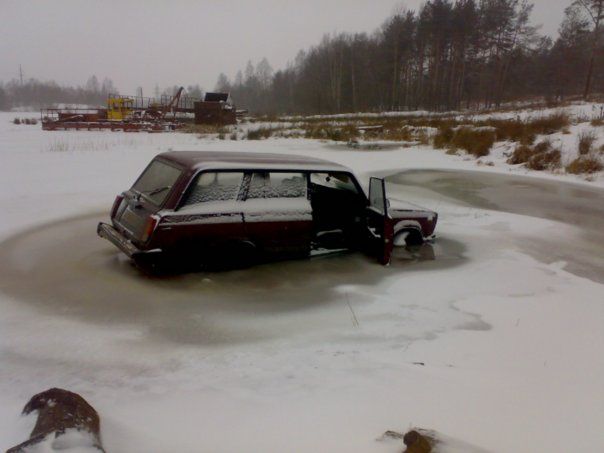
(497, 341)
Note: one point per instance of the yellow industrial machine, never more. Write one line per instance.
(119, 108)
(123, 113)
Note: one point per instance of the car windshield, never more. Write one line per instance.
(156, 181)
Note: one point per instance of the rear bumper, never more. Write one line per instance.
(106, 231)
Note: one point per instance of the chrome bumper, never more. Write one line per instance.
(106, 231)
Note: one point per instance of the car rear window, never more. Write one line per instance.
(156, 181)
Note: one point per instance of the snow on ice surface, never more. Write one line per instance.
(487, 343)
(72, 441)
(576, 110)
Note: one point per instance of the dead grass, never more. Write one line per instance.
(548, 125)
(548, 160)
(452, 133)
(79, 144)
(265, 119)
(539, 157)
(477, 142)
(30, 121)
(512, 130)
(443, 137)
(597, 122)
(260, 133)
(525, 132)
(346, 130)
(423, 137)
(343, 133)
(586, 142)
(393, 132)
(521, 155)
(58, 146)
(584, 165)
(480, 142)
(289, 133)
(203, 129)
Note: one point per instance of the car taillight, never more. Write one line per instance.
(116, 205)
(150, 227)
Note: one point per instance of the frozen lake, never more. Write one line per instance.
(63, 267)
(476, 335)
(575, 205)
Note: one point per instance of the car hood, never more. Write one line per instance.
(400, 207)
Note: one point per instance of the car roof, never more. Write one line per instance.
(202, 160)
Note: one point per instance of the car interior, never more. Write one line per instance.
(338, 210)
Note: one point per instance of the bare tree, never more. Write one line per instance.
(223, 84)
(595, 10)
(92, 84)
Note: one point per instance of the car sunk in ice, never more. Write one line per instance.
(209, 208)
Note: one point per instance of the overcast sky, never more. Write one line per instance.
(181, 42)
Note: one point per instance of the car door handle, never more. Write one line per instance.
(373, 232)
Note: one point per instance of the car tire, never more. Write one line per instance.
(407, 238)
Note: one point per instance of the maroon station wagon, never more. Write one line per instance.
(205, 207)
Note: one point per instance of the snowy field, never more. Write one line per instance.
(492, 336)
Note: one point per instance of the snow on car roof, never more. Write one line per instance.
(238, 160)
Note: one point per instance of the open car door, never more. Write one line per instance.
(379, 224)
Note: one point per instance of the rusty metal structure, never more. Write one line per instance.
(87, 120)
(216, 108)
(125, 113)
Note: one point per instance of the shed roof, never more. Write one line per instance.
(216, 97)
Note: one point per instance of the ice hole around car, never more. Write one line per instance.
(211, 209)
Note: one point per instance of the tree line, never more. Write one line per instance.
(448, 55)
(33, 93)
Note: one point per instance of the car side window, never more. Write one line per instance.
(277, 185)
(214, 186)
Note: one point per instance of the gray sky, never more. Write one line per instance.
(181, 42)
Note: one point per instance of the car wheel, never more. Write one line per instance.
(406, 238)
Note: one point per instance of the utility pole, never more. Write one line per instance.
(21, 75)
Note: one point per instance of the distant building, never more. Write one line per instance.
(216, 108)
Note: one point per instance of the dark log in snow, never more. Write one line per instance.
(65, 420)
(416, 443)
